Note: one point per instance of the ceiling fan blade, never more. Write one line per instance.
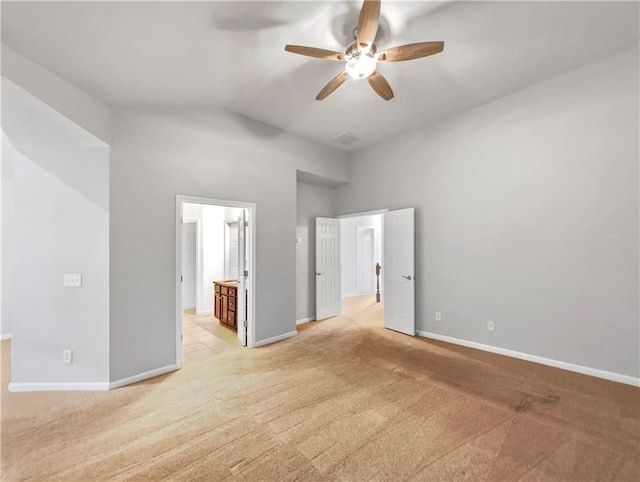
(368, 22)
(333, 84)
(315, 52)
(410, 51)
(380, 85)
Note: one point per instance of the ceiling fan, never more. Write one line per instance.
(361, 56)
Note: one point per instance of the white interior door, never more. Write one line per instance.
(399, 271)
(327, 268)
(365, 263)
(241, 296)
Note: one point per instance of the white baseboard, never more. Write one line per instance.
(594, 372)
(273, 339)
(45, 387)
(204, 313)
(143, 376)
(8, 336)
(305, 320)
(57, 387)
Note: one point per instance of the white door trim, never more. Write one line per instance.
(241, 293)
(364, 213)
(251, 265)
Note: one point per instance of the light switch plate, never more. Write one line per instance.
(67, 356)
(72, 280)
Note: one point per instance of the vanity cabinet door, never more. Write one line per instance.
(224, 308)
(216, 305)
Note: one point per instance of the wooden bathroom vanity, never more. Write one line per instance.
(224, 302)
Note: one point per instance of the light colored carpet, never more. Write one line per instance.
(344, 400)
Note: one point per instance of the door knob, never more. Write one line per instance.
(407, 277)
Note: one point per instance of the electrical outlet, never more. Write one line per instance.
(67, 356)
(72, 280)
(491, 325)
(438, 316)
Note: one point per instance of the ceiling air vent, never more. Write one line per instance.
(344, 138)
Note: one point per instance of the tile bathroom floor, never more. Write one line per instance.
(204, 337)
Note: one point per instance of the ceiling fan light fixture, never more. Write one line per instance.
(361, 56)
(360, 64)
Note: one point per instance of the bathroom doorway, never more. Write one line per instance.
(208, 233)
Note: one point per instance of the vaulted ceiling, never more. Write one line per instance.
(231, 55)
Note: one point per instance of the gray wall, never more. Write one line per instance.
(526, 214)
(312, 201)
(157, 154)
(66, 99)
(55, 220)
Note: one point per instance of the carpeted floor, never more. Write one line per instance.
(345, 399)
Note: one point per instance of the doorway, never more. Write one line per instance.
(365, 254)
(337, 237)
(397, 251)
(360, 250)
(219, 234)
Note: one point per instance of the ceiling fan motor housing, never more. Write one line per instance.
(361, 63)
(354, 46)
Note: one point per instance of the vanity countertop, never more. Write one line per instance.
(229, 283)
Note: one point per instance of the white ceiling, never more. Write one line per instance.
(231, 54)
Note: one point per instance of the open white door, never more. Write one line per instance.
(327, 268)
(241, 297)
(399, 271)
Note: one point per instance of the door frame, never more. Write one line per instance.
(363, 213)
(251, 265)
(371, 213)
